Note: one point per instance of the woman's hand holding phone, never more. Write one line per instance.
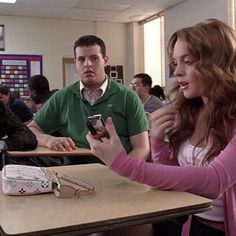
(108, 149)
(93, 131)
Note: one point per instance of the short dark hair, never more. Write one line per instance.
(90, 40)
(146, 79)
(4, 89)
(158, 92)
(39, 83)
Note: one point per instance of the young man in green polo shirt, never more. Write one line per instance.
(93, 94)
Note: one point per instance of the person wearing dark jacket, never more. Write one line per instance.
(16, 105)
(14, 135)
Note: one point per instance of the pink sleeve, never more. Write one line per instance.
(160, 152)
(208, 181)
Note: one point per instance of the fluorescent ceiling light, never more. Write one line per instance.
(8, 1)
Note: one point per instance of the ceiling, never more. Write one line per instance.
(121, 11)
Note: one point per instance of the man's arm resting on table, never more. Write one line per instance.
(51, 142)
(43, 139)
(140, 146)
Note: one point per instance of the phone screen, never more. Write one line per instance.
(99, 125)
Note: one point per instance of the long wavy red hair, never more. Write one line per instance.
(212, 44)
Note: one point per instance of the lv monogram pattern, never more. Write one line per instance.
(25, 180)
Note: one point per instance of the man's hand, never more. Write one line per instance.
(51, 142)
(61, 144)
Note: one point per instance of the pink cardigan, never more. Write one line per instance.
(218, 177)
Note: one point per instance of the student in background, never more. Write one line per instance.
(158, 92)
(69, 109)
(39, 93)
(142, 84)
(30, 104)
(40, 90)
(15, 104)
(200, 157)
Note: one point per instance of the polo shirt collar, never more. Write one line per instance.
(103, 87)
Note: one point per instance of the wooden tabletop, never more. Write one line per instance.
(45, 152)
(117, 202)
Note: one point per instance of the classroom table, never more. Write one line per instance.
(45, 152)
(117, 202)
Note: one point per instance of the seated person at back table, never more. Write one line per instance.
(158, 91)
(14, 135)
(39, 89)
(93, 94)
(16, 105)
(30, 104)
(142, 84)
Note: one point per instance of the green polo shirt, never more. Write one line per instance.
(67, 110)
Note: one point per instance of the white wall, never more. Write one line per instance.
(135, 52)
(189, 13)
(54, 39)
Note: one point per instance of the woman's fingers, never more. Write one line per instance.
(166, 110)
(111, 129)
(161, 120)
(109, 148)
(94, 143)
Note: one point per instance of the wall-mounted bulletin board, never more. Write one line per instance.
(15, 70)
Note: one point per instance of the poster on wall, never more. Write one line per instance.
(15, 71)
(115, 72)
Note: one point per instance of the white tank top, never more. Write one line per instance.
(185, 158)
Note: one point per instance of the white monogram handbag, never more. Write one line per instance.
(25, 180)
